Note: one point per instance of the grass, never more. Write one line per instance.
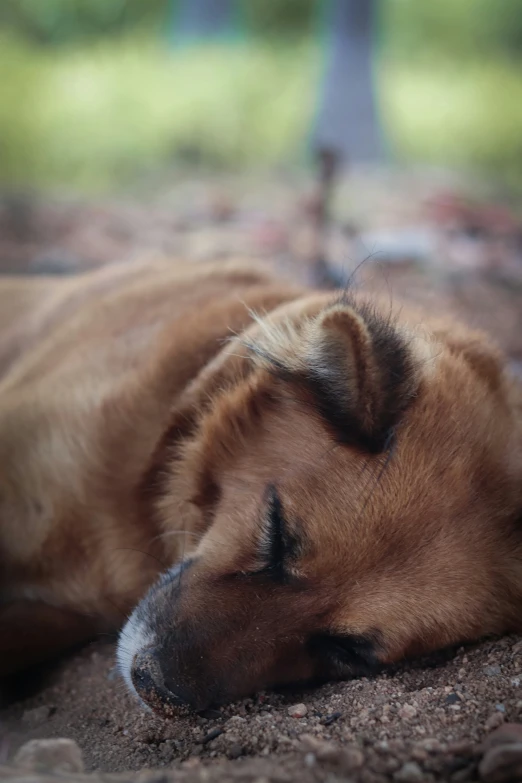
(468, 115)
(94, 118)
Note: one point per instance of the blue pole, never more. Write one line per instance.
(346, 124)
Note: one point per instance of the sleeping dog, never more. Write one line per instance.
(272, 484)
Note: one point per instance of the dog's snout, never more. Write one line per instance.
(148, 679)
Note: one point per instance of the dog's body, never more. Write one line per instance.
(350, 485)
(91, 368)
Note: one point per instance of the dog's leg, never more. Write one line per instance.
(32, 632)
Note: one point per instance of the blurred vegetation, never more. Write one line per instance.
(92, 95)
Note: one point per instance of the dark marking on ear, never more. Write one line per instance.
(344, 424)
(354, 367)
(389, 391)
(357, 652)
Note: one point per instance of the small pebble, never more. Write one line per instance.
(50, 755)
(298, 710)
(492, 671)
(409, 773)
(407, 711)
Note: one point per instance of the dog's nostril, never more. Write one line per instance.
(147, 677)
(142, 679)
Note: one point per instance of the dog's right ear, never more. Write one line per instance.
(227, 369)
(179, 442)
(351, 364)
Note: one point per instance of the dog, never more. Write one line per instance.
(263, 483)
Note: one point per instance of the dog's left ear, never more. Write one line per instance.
(360, 370)
(353, 366)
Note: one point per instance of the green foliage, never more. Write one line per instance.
(91, 95)
(53, 22)
(100, 115)
(282, 18)
(453, 29)
(69, 21)
(470, 117)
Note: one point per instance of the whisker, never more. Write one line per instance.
(239, 355)
(169, 533)
(182, 557)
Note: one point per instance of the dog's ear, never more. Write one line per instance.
(227, 369)
(361, 373)
(353, 365)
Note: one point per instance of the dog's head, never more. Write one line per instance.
(352, 488)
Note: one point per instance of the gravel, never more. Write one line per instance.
(449, 718)
(403, 725)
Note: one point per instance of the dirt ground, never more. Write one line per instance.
(425, 720)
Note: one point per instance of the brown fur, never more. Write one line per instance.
(346, 482)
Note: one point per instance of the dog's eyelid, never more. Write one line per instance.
(272, 539)
(277, 544)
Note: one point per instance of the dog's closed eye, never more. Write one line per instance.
(278, 545)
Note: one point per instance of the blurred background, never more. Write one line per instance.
(313, 133)
(95, 93)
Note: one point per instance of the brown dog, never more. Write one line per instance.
(343, 485)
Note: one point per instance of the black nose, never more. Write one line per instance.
(147, 677)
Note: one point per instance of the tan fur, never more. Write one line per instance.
(144, 411)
